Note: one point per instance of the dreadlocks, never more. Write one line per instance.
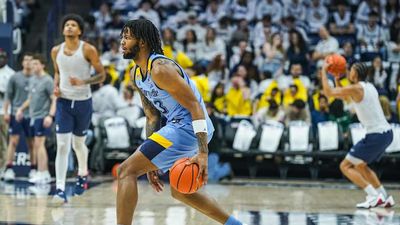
(145, 30)
(362, 71)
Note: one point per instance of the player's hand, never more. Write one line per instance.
(19, 115)
(48, 120)
(155, 181)
(202, 160)
(7, 118)
(74, 81)
(56, 91)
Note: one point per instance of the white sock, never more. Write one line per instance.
(382, 190)
(371, 190)
(63, 149)
(82, 152)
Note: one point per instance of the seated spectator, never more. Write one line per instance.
(326, 46)
(293, 93)
(364, 9)
(295, 8)
(270, 7)
(224, 29)
(102, 16)
(273, 112)
(378, 75)
(173, 49)
(271, 93)
(213, 13)
(92, 33)
(114, 56)
(249, 79)
(372, 36)
(238, 101)
(210, 48)
(112, 30)
(297, 53)
(241, 33)
(190, 45)
(322, 114)
(298, 110)
(295, 77)
(238, 52)
(290, 23)
(272, 56)
(247, 60)
(217, 72)
(218, 99)
(241, 9)
(341, 22)
(390, 12)
(146, 11)
(191, 24)
(262, 32)
(131, 97)
(390, 116)
(106, 101)
(393, 47)
(317, 16)
(337, 114)
(198, 74)
(348, 54)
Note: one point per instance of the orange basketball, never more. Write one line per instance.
(182, 177)
(338, 64)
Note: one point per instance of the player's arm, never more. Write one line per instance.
(7, 99)
(153, 116)
(20, 111)
(165, 75)
(56, 88)
(94, 59)
(339, 92)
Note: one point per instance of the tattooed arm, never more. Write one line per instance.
(153, 121)
(166, 76)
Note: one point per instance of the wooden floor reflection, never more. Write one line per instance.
(268, 203)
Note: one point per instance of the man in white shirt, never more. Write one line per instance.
(326, 46)
(317, 16)
(5, 74)
(146, 11)
(270, 7)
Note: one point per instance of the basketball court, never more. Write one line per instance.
(255, 202)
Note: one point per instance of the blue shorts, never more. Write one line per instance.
(73, 116)
(16, 128)
(371, 148)
(38, 130)
(171, 143)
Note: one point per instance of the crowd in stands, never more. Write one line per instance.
(261, 59)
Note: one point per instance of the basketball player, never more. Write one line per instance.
(166, 90)
(378, 138)
(42, 107)
(72, 60)
(16, 94)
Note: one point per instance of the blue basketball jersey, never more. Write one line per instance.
(161, 99)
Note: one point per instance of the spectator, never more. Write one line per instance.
(173, 49)
(271, 8)
(114, 56)
(92, 33)
(190, 45)
(192, 24)
(297, 53)
(217, 72)
(298, 110)
(295, 77)
(372, 36)
(5, 74)
(241, 9)
(218, 98)
(242, 33)
(247, 61)
(241, 71)
(337, 114)
(341, 21)
(326, 46)
(263, 31)
(295, 8)
(146, 11)
(131, 97)
(364, 9)
(317, 16)
(238, 101)
(112, 29)
(213, 13)
(272, 56)
(390, 12)
(348, 53)
(292, 93)
(225, 29)
(390, 116)
(378, 75)
(210, 47)
(290, 23)
(321, 115)
(393, 48)
(238, 52)
(272, 112)
(102, 16)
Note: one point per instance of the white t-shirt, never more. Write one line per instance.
(5, 74)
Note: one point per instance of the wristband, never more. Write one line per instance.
(199, 126)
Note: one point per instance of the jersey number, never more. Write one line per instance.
(161, 106)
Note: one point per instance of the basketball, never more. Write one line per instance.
(182, 177)
(338, 64)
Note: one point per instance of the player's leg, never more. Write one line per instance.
(127, 194)
(29, 135)
(42, 175)
(9, 174)
(205, 204)
(348, 169)
(82, 118)
(368, 174)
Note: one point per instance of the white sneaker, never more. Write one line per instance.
(9, 175)
(41, 178)
(372, 201)
(32, 173)
(389, 202)
(46, 177)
